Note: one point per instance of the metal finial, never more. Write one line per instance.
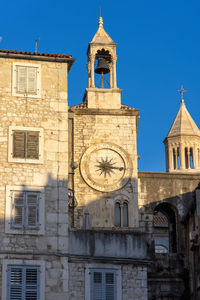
(36, 46)
(181, 91)
(100, 22)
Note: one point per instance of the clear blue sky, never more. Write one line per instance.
(158, 50)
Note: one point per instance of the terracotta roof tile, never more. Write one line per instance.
(36, 53)
(84, 106)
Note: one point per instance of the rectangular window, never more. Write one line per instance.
(103, 284)
(25, 209)
(26, 144)
(23, 282)
(26, 81)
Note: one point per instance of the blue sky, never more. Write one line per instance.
(158, 50)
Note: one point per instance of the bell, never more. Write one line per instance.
(102, 67)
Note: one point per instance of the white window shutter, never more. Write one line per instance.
(32, 80)
(17, 209)
(21, 79)
(32, 212)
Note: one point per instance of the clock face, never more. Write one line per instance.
(105, 167)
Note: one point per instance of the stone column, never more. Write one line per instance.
(111, 76)
(194, 155)
(92, 58)
(89, 73)
(114, 72)
(182, 157)
(188, 157)
(170, 153)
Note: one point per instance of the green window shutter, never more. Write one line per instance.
(32, 144)
(32, 209)
(32, 80)
(19, 144)
(21, 79)
(17, 209)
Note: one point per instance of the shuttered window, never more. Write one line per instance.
(26, 80)
(121, 214)
(25, 209)
(26, 144)
(23, 283)
(103, 284)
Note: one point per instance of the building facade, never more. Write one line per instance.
(78, 220)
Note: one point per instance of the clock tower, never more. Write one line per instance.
(103, 179)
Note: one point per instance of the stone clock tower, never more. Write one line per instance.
(103, 150)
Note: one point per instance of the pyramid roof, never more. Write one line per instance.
(101, 36)
(183, 123)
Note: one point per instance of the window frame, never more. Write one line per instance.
(23, 263)
(121, 207)
(14, 80)
(40, 159)
(36, 230)
(105, 268)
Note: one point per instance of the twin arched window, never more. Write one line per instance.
(121, 214)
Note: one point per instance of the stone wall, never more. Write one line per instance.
(116, 127)
(133, 281)
(50, 114)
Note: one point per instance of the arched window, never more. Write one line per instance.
(121, 214)
(165, 228)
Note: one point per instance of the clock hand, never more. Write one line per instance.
(116, 168)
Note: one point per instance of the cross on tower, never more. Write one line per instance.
(181, 91)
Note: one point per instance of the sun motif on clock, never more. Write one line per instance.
(105, 167)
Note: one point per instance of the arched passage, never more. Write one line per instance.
(165, 235)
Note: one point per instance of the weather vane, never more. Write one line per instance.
(181, 91)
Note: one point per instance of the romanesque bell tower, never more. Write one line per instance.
(104, 184)
(182, 144)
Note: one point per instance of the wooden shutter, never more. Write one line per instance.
(23, 283)
(103, 284)
(110, 288)
(18, 209)
(32, 283)
(32, 144)
(32, 80)
(32, 212)
(97, 286)
(14, 283)
(21, 79)
(19, 144)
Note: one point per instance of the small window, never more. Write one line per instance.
(23, 282)
(26, 80)
(25, 210)
(121, 214)
(103, 284)
(25, 144)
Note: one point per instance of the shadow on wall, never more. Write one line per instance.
(36, 218)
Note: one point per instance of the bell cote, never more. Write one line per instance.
(102, 91)
(182, 144)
